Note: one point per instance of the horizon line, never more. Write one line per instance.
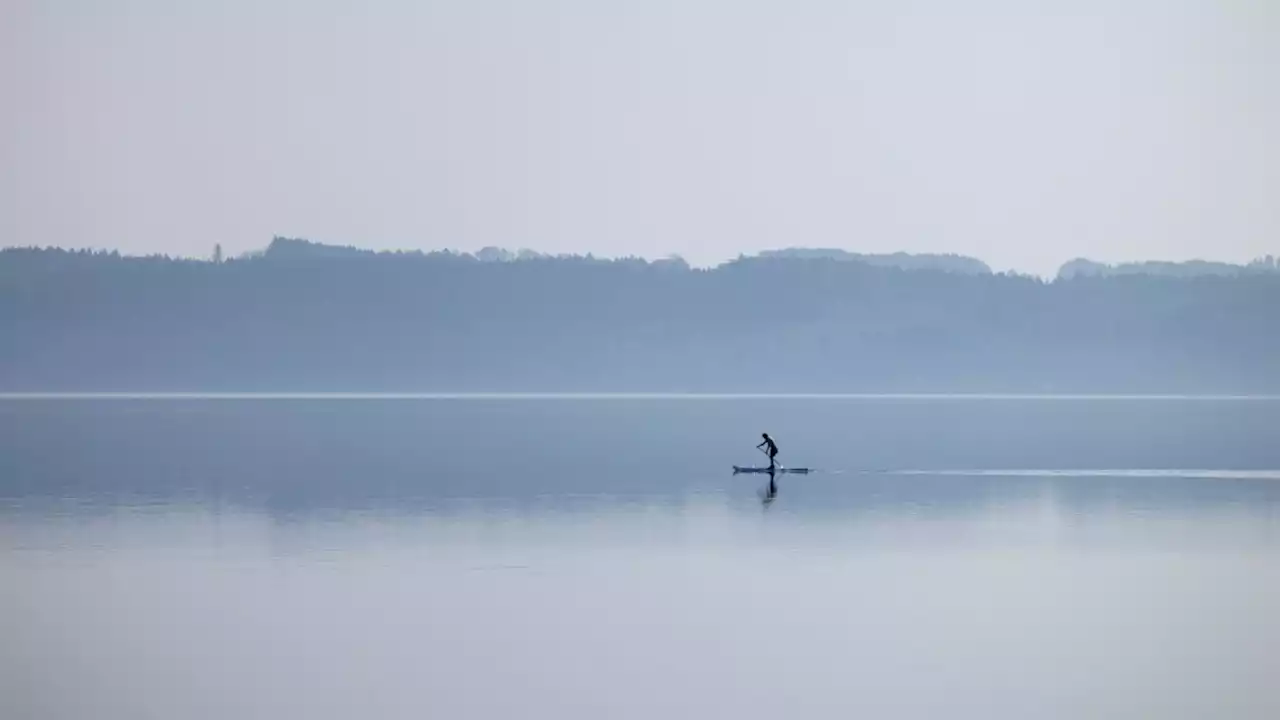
(710, 265)
(619, 395)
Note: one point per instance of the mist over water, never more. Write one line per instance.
(585, 557)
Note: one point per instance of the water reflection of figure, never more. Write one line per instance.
(772, 491)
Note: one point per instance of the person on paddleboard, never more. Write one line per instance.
(772, 448)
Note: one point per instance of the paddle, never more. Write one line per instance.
(766, 454)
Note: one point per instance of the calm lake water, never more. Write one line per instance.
(595, 557)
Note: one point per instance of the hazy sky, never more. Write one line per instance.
(1022, 133)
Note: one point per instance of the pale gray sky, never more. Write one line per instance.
(1022, 133)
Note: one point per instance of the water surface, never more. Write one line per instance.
(585, 557)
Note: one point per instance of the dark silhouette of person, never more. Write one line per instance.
(773, 448)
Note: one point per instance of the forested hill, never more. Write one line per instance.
(905, 261)
(303, 317)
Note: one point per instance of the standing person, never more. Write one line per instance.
(772, 448)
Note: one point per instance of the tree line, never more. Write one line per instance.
(302, 316)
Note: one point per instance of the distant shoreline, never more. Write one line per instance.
(16, 396)
(304, 317)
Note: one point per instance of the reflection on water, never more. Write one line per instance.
(462, 558)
